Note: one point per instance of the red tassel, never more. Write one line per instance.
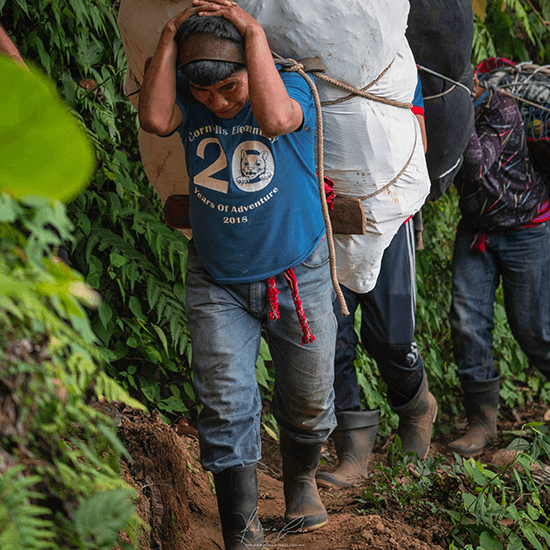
(272, 293)
(292, 283)
(479, 244)
(329, 192)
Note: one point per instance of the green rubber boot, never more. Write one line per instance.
(354, 439)
(481, 403)
(304, 509)
(416, 419)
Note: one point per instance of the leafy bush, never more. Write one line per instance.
(58, 454)
(121, 243)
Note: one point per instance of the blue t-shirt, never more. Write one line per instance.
(254, 202)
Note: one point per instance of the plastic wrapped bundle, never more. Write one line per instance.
(140, 23)
(366, 143)
(440, 34)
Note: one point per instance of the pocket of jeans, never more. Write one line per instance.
(319, 256)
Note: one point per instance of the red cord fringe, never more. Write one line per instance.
(479, 244)
(274, 314)
(272, 292)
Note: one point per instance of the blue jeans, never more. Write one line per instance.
(387, 328)
(225, 321)
(521, 257)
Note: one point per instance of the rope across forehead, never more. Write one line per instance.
(202, 47)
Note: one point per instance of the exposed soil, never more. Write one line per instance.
(177, 501)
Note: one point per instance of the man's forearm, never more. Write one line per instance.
(158, 92)
(274, 110)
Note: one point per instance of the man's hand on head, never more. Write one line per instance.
(243, 21)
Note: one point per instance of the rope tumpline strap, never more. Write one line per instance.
(296, 67)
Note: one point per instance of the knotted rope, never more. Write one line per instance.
(298, 68)
(291, 65)
(360, 92)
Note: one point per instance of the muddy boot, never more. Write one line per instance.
(416, 419)
(481, 404)
(354, 439)
(304, 508)
(237, 494)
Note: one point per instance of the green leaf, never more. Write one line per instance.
(189, 390)
(162, 337)
(475, 471)
(530, 536)
(105, 313)
(135, 307)
(117, 260)
(36, 131)
(534, 514)
(487, 541)
(9, 209)
(515, 543)
(100, 518)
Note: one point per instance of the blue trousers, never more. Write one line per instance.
(387, 328)
(225, 322)
(521, 258)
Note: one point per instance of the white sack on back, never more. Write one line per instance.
(140, 23)
(366, 144)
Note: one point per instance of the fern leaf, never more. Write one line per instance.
(21, 524)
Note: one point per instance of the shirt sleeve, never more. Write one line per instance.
(418, 100)
(298, 89)
(183, 97)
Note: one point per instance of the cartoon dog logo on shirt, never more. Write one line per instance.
(252, 166)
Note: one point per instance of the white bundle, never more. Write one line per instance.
(366, 144)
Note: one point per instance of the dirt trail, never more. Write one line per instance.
(177, 501)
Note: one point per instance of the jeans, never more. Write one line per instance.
(387, 328)
(521, 257)
(225, 321)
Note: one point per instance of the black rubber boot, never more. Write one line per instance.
(481, 404)
(304, 509)
(416, 420)
(354, 439)
(237, 494)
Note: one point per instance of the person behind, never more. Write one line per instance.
(504, 234)
(387, 333)
(258, 252)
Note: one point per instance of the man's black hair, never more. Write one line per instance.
(207, 72)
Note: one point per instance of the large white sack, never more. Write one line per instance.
(366, 144)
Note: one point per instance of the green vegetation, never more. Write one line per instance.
(492, 507)
(59, 458)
